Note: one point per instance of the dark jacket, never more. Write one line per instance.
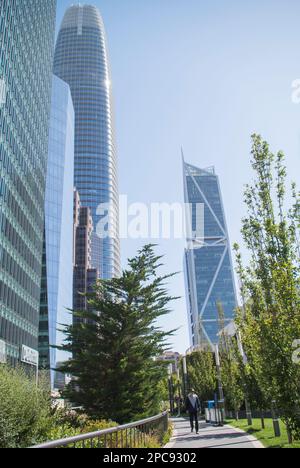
(189, 406)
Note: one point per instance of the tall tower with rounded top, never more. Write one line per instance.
(81, 60)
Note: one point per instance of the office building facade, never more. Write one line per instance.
(81, 60)
(85, 276)
(57, 277)
(210, 286)
(26, 56)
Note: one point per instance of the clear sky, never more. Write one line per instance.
(203, 75)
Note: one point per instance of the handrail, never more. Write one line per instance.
(99, 434)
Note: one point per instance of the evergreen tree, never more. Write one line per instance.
(115, 344)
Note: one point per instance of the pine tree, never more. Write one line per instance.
(115, 344)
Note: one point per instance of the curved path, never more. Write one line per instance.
(209, 437)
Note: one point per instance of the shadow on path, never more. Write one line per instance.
(209, 437)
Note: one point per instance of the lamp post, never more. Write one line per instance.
(220, 387)
(179, 391)
(185, 377)
(245, 362)
(170, 372)
(243, 354)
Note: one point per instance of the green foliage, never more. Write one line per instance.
(168, 435)
(58, 432)
(230, 369)
(132, 438)
(163, 392)
(27, 417)
(68, 417)
(116, 342)
(151, 442)
(202, 374)
(67, 423)
(94, 426)
(269, 321)
(252, 389)
(232, 380)
(25, 410)
(266, 435)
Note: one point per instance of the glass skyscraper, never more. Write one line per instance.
(81, 60)
(210, 283)
(85, 276)
(57, 277)
(26, 56)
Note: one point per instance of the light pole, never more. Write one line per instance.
(185, 377)
(243, 354)
(245, 362)
(179, 391)
(170, 372)
(220, 387)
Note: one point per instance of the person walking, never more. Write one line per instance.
(193, 406)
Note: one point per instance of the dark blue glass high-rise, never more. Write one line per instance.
(210, 283)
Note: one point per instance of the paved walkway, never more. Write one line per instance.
(209, 437)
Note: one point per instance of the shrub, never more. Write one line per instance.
(168, 435)
(27, 417)
(25, 410)
(61, 432)
(94, 426)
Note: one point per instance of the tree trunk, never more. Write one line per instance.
(290, 434)
(263, 426)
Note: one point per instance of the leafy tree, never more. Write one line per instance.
(163, 392)
(202, 374)
(270, 321)
(116, 342)
(25, 409)
(231, 376)
(233, 386)
(254, 393)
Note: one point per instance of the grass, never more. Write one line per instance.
(265, 436)
(168, 435)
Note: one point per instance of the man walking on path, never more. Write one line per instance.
(193, 407)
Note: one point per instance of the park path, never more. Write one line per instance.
(209, 437)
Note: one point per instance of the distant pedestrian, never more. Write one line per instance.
(193, 407)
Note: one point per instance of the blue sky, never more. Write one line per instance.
(203, 75)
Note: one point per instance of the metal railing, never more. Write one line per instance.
(134, 435)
